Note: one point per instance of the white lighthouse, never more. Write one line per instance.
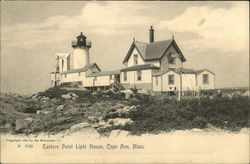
(80, 56)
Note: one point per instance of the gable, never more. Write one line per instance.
(134, 53)
(204, 71)
(133, 47)
(153, 51)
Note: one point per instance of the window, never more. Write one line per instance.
(170, 79)
(171, 58)
(205, 79)
(125, 76)
(79, 73)
(110, 77)
(68, 62)
(156, 80)
(135, 59)
(139, 75)
(65, 75)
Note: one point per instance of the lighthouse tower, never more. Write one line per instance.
(80, 56)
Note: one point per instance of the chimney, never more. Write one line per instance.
(151, 35)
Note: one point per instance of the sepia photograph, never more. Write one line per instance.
(124, 82)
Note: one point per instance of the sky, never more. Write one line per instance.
(211, 34)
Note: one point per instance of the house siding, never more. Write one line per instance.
(188, 82)
(144, 83)
(131, 58)
(166, 86)
(73, 77)
(164, 60)
(202, 86)
(155, 86)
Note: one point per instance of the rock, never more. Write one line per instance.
(245, 130)
(35, 96)
(93, 119)
(8, 126)
(142, 91)
(44, 99)
(88, 132)
(127, 96)
(21, 125)
(79, 126)
(66, 97)
(38, 112)
(120, 121)
(29, 119)
(60, 107)
(128, 93)
(119, 133)
(73, 95)
(45, 112)
(246, 93)
(94, 94)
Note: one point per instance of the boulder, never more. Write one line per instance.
(128, 93)
(44, 99)
(29, 119)
(87, 132)
(246, 93)
(21, 125)
(119, 133)
(92, 119)
(35, 96)
(142, 91)
(120, 121)
(94, 93)
(45, 112)
(79, 126)
(60, 107)
(66, 97)
(38, 112)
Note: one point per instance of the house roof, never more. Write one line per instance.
(84, 69)
(183, 71)
(140, 67)
(154, 50)
(104, 73)
(202, 70)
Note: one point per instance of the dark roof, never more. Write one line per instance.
(140, 67)
(154, 50)
(105, 73)
(84, 69)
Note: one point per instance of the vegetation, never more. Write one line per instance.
(163, 115)
(49, 112)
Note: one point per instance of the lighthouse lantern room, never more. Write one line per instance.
(80, 56)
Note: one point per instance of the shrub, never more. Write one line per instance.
(199, 122)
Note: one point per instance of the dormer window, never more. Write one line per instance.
(171, 58)
(135, 59)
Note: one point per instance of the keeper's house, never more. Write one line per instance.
(156, 66)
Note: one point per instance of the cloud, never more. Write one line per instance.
(105, 19)
(219, 28)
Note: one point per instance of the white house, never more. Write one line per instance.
(156, 66)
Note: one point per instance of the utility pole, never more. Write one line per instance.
(180, 90)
